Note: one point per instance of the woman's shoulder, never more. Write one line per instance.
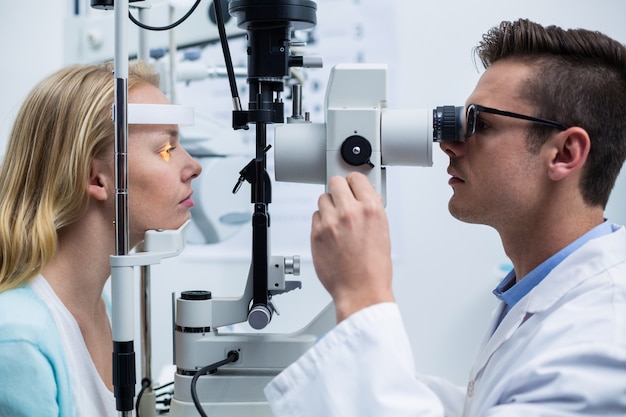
(32, 361)
(25, 316)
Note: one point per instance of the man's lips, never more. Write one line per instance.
(455, 179)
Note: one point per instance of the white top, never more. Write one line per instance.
(91, 396)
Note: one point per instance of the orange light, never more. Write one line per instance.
(165, 153)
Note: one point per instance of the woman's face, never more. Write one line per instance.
(159, 172)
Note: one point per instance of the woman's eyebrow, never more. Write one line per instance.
(172, 133)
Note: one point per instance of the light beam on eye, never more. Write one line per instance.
(165, 153)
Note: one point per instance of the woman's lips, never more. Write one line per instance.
(188, 202)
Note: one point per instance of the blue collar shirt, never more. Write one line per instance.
(511, 292)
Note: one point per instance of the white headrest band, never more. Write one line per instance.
(160, 114)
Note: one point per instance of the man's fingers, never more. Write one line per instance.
(325, 202)
(354, 186)
(339, 190)
(362, 188)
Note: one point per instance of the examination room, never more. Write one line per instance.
(319, 208)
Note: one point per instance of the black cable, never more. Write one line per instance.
(145, 383)
(163, 386)
(168, 27)
(233, 356)
(219, 18)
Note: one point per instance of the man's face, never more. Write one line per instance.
(495, 179)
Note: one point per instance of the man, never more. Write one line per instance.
(545, 139)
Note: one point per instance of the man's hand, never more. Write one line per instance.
(350, 245)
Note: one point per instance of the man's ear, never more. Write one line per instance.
(570, 149)
(99, 181)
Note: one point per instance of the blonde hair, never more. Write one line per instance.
(64, 123)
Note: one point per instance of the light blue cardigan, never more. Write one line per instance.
(34, 380)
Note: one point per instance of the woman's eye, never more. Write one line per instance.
(165, 152)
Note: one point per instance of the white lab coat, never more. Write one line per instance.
(560, 351)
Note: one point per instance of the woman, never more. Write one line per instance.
(57, 211)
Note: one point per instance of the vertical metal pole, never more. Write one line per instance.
(122, 277)
(146, 334)
(147, 404)
(144, 47)
(172, 59)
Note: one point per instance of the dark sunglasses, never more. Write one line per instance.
(473, 110)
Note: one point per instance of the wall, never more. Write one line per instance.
(32, 44)
(444, 270)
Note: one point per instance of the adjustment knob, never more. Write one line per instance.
(356, 150)
(259, 317)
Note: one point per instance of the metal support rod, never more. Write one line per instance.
(121, 165)
(121, 278)
(144, 47)
(296, 100)
(260, 314)
(147, 405)
(146, 333)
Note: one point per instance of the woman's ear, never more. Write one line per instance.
(99, 181)
(570, 150)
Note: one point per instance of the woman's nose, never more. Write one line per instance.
(194, 168)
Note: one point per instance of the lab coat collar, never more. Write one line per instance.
(593, 257)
